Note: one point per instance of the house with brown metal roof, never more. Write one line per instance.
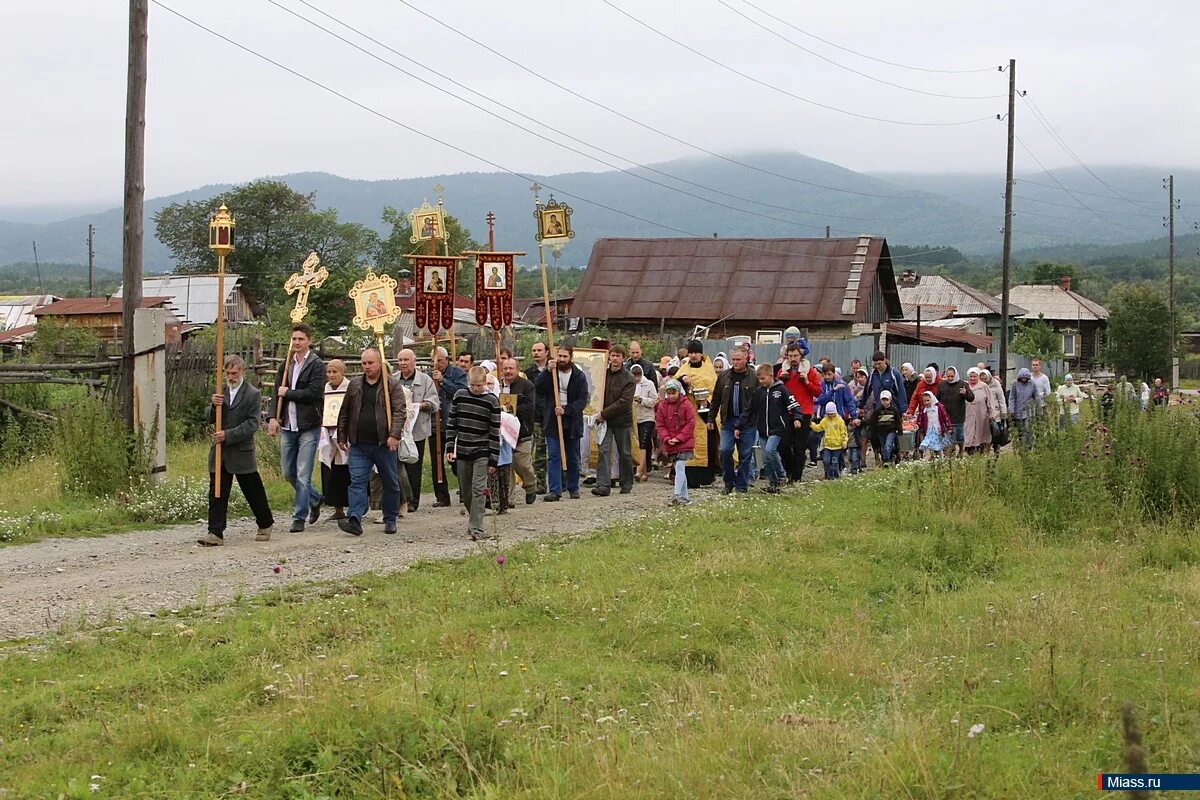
(741, 287)
(105, 315)
(1079, 321)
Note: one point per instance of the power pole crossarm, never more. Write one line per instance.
(1008, 214)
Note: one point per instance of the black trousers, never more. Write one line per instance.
(441, 489)
(255, 493)
(797, 449)
(415, 477)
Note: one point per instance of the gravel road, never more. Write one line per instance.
(57, 582)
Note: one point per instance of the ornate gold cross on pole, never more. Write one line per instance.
(312, 274)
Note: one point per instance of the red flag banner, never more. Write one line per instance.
(434, 301)
(494, 289)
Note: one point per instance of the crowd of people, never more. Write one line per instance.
(690, 417)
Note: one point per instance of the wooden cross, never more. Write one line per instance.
(309, 278)
(491, 221)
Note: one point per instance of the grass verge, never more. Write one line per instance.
(851, 642)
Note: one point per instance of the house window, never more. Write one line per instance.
(1070, 345)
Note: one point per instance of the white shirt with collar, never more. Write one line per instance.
(233, 390)
(297, 367)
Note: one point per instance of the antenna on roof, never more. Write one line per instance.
(38, 266)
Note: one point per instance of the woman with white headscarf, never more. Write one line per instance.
(1069, 397)
(1000, 404)
(981, 410)
(720, 363)
(935, 432)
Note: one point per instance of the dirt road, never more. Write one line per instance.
(59, 582)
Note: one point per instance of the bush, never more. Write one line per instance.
(23, 436)
(96, 455)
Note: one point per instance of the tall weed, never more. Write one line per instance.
(96, 455)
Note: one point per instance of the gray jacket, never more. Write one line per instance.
(240, 421)
(423, 391)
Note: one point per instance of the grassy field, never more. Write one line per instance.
(862, 639)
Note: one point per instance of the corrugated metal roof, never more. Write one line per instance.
(16, 310)
(1054, 302)
(938, 290)
(690, 280)
(95, 305)
(193, 297)
(17, 335)
(935, 335)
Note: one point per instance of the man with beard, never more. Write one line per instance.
(541, 357)
(568, 406)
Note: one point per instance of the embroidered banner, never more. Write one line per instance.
(434, 299)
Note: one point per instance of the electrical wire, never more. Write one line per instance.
(1068, 205)
(839, 65)
(560, 132)
(780, 89)
(483, 159)
(1050, 174)
(425, 15)
(1045, 123)
(782, 21)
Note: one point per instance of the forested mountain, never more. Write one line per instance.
(963, 211)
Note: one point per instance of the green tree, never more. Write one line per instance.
(1138, 334)
(397, 245)
(1047, 273)
(50, 334)
(1038, 339)
(276, 229)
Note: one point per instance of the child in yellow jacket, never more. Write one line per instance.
(835, 441)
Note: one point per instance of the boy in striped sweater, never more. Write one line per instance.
(473, 445)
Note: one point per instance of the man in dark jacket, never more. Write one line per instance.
(450, 380)
(568, 406)
(733, 392)
(299, 400)
(884, 376)
(522, 461)
(239, 422)
(635, 357)
(363, 429)
(541, 360)
(778, 415)
(616, 413)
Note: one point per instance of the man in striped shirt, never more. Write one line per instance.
(473, 445)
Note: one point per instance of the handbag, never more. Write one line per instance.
(407, 451)
(999, 432)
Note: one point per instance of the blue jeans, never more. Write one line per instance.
(362, 458)
(297, 451)
(834, 463)
(554, 465)
(888, 446)
(740, 478)
(772, 462)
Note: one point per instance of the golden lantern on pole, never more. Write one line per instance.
(220, 241)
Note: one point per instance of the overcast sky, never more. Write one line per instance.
(1117, 81)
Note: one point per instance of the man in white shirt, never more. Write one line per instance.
(299, 399)
(1040, 381)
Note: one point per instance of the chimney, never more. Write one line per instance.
(908, 277)
(1066, 282)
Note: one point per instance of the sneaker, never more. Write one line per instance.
(297, 526)
(442, 504)
(626, 490)
(812, 462)
(553, 497)
(263, 535)
(674, 500)
(771, 489)
(211, 539)
(574, 495)
(683, 501)
(601, 492)
(530, 497)
(314, 513)
(351, 525)
(389, 527)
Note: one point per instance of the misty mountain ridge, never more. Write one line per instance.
(961, 210)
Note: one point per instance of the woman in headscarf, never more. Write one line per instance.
(1024, 404)
(934, 429)
(675, 425)
(911, 378)
(999, 403)
(928, 383)
(645, 397)
(1069, 397)
(981, 410)
(720, 363)
(954, 394)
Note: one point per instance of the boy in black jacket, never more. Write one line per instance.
(886, 424)
(777, 414)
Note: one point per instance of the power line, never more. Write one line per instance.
(1062, 188)
(425, 15)
(780, 89)
(864, 55)
(556, 142)
(483, 159)
(1045, 123)
(839, 65)
(1068, 205)
(1050, 174)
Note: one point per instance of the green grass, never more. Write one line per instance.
(839, 643)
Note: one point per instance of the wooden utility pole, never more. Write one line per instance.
(91, 259)
(1008, 214)
(1169, 185)
(135, 188)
